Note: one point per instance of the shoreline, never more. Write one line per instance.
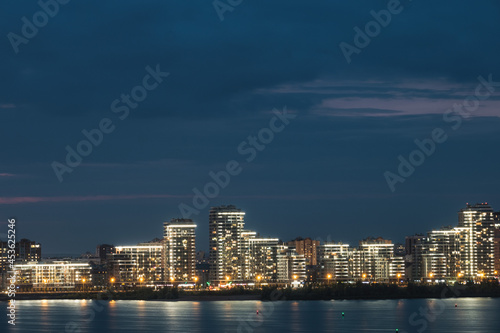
(218, 298)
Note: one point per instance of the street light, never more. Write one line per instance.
(258, 277)
(112, 280)
(431, 274)
(329, 276)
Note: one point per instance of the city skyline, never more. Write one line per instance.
(328, 238)
(281, 153)
(239, 256)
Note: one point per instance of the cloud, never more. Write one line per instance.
(24, 200)
(7, 174)
(78, 67)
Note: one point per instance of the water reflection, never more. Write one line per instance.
(471, 315)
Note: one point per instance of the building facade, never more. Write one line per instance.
(226, 258)
(25, 251)
(179, 253)
(262, 259)
(54, 275)
(136, 265)
(379, 262)
(290, 266)
(334, 260)
(477, 244)
(306, 247)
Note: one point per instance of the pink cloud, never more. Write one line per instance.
(189, 197)
(21, 200)
(7, 106)
(391, 98)
(7, 174)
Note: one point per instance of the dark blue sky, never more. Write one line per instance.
(322, 176)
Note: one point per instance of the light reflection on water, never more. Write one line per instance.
(429, 315)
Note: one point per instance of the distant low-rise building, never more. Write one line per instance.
(378, 261)
(25, 251)
(290, 266)
(136, 265)
(54, 275)
(334, 262)
(103, 251)
(306, 247)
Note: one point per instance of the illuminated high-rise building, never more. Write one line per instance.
(413, 257)
(136, 265)
(290, 266)
(226, 258)
(334, 262)
(179, 253)
(477, 244)
(378, 261)
(496, 242)
(246, 236)
(262, 258)
(443, 259)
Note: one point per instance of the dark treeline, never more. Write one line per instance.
(309, 292)
(385, 291)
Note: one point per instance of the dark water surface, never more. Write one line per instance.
(419, 315)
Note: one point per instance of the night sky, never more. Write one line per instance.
(321, 176)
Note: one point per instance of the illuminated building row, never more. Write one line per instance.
(469, 251)
(373, 261)
(54, 275)
(170, 260)
(240, 256)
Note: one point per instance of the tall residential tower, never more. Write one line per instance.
(179, 256)
(477, 244)
(226, 244)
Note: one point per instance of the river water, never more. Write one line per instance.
(417, 315)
